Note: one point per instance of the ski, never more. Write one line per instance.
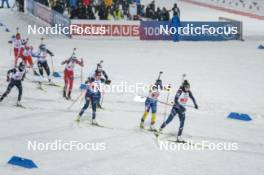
(178, 141)
(20, 106)
(198, 145)
(52, 84)
(93, 124)
(100, 126)
(155, 132)
(41, 88)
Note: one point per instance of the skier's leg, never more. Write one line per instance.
(145, 115)
(30, 61)
(94, 102)
(182, 120)
(66, 80)
(170, 118)
(147, 108)
(86, 105)
(7, 3)
(47, 69)
(71, 78)
(154, 111)
(40, 67)
(20, 90)
(9, 87)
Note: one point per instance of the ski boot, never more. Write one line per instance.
(78, 118)
(19, 104)
(35, 73)
(180, 139)
(152, 128)
(64, 94)
(69, 95)
(94, 122)
(98, 105)
(1, 99)
(141, 125)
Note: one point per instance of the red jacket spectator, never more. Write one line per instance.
(86, 2)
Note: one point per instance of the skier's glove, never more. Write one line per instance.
(167, 88)
(10, 42)
(108, 82)
(195, 106)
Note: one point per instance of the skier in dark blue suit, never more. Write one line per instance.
(15, 77)
(93, 95)
(180, 101)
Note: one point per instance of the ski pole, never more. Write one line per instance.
(74, 101)
(160, 73)
(168, 89)
(165, 103)
(81, 74)
(183, 77)
(52, 65)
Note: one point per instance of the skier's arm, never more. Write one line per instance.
(24, 75)
(49, 52)
(10, 72)
(12, 39)
(159, 84)
(80, 63)
(105, 75)
(193, 99)
(35, 55)
(64, 62)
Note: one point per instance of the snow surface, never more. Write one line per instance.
(224, 76)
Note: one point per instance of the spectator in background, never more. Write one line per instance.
(142, 11)
(108, 3)
(150, 13)
(86, 2)
(7, 4)
(159, 14)
(176, 11)
(73, 4)
(102, 12)
(125, 8)
(165, 14)
(74, 13)
(44, 2)
(89, 12)
(59, 7)
(152, 6)
(109, 13)
(117, 13)
(81, 11)
(96, 4)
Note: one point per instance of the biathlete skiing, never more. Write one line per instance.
(179, 107)
(15, 77)
(69, 74)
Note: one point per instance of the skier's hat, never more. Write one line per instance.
(21, 66)
(186, 84)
